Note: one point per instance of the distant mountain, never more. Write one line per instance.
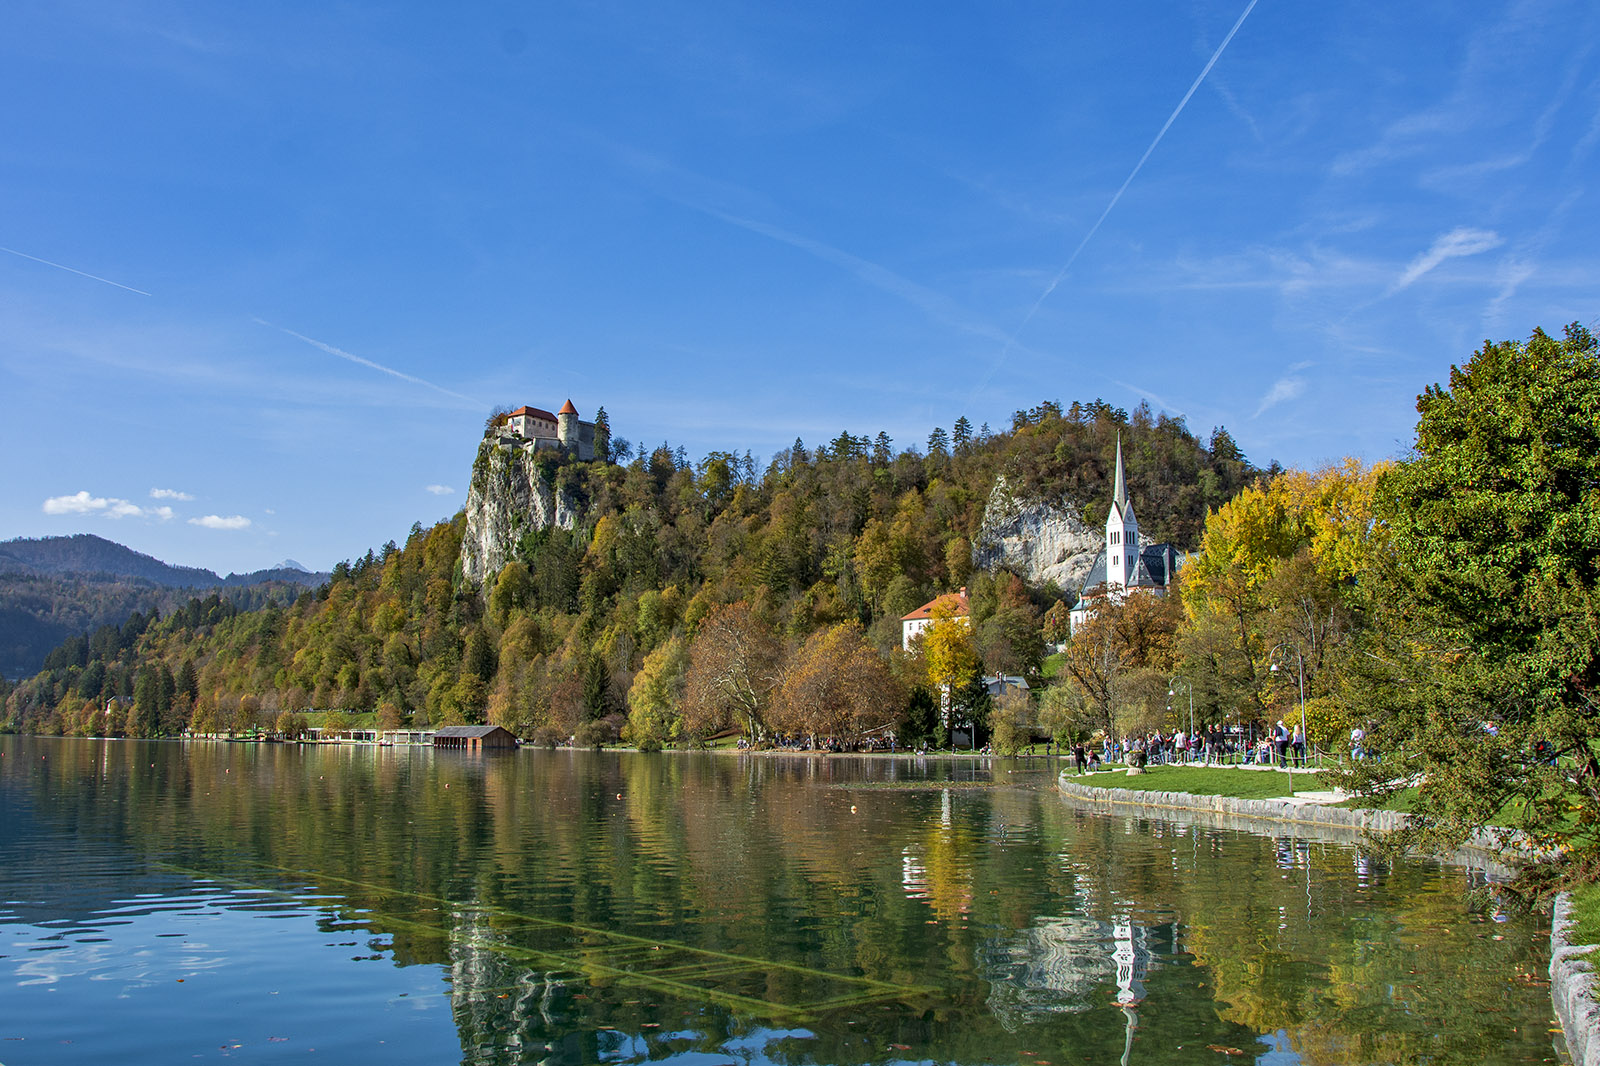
(56, 587)
(85, 555)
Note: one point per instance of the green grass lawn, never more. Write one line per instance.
(1585, 915)
(1052, 665)
(1394, 801)
(1203, 781)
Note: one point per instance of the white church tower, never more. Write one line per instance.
(1122, 533)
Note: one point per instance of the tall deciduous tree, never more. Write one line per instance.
(1114, 660)
(948, 649)
(837, 686)
(1278, 571)
(735, 665)
(655, 700)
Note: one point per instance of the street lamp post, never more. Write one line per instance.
(1300, 661)
(1171, 692)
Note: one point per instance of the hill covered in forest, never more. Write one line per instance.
(572, 626)
(53, 588)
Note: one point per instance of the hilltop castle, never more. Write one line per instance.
(539, 427)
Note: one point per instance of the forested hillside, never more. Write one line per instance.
(53, 588)
(795, 571)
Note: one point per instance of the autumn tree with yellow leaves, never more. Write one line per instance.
(1274, 580)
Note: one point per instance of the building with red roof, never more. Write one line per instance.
(564, 429)
(951, 605)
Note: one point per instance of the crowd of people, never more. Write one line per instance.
(1282, 745)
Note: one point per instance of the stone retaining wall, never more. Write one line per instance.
(1340, 824)
(1572, 988)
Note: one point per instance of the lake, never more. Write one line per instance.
(166, 902)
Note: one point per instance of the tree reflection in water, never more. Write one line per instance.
(627, 907)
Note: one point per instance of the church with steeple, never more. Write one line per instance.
(1126, 564)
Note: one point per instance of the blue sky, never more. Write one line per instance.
(267, 267)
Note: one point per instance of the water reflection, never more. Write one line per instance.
(572, 907)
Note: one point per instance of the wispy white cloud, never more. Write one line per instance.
(1513, 273)
(1283, 390)
(74, 270)
(441, 490)
(109, 506)
(1459, 242)
(216, 521)
(360, 361)
(169, 494)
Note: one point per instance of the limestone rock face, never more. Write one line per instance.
(1038, 540)
(509, 496)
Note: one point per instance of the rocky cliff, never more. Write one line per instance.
(510, 496)
(1038, 540)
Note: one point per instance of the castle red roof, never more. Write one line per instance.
(954, 602)
(536, 412)
(568, 409)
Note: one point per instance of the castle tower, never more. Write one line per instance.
(1122, 532)
(567, 425)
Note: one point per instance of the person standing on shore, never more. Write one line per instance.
(1280, 742)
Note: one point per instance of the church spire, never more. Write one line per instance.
(1119, 491)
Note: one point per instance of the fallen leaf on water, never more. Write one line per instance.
(1224, 1050)
(901, 1047)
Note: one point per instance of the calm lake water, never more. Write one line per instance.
(168, 902)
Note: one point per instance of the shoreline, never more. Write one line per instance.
(1572, 987)
(1573, 978)
(1351, 825)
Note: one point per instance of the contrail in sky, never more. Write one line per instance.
(1087, 237)
(342, 354)
(72, 270)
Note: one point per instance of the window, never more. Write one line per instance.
(1116, 560)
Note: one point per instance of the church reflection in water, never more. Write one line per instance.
(1070, 965)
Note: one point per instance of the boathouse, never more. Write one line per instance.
(474, 738)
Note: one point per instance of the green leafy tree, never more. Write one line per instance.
(1487, 681)
(655, 699)
(1012, 722)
